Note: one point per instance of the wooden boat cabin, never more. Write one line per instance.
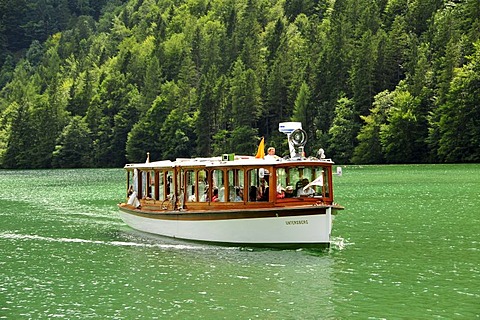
(230, 182)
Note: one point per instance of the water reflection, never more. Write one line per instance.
(230, 281)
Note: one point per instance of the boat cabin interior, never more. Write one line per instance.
(199, 184)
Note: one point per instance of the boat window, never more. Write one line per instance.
(326, 188)
(180, 191)
(145, 184)
(202, 185)
(218, 182)
(294, 180)
(298, 179)
(258, 184)
(305, 181)
(161, 185)
(282, 177)
(312, 182)
(282, 181)
(130, 187)
(235, 185)
(190, 184)
(308, 173)
(137, 182)
(252, 183)
(151, 179)
(169, 183)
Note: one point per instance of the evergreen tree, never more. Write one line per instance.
(17, 123)
(246, 109)
(277, 105)
(206, 120)
(363, 74)
(369, 148)
(145, 134)
(74, 146)
(399, 136)
(460, 120)
(19, 136)
(178, 134)
(343, 132)
(301, 110)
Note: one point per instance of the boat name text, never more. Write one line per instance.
(294, 222)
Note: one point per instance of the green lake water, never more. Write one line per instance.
(406, 247)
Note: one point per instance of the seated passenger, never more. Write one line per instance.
(204, 197)
(289, 192)
(305, 189)
(238, 194)
(133, 200)
(280, 192)
(262, 194)
(252, 193)
(215, 195)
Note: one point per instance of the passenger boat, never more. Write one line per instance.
(260, 200)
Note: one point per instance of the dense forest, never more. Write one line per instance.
(98, 83)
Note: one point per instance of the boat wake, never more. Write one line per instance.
(27, 237)
(338, 243)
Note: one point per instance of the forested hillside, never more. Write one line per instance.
(100, 83)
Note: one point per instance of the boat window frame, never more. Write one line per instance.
(161, 184)
(326, 169)
(203, 195)
(245, 187)
(189, 173)
(237, 183)
(216, 184)
(152, 184)
(248, 190)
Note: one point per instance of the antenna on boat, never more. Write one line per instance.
(148, 158)
(297, 137)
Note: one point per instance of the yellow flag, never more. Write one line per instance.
(261, 149)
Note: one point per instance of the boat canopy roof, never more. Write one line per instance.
(222, 162)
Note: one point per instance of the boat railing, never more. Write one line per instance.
(169, 203)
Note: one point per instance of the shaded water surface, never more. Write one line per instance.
(407, 246)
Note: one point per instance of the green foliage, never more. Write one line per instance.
(245, 95)
(178, 134)
(194, 77)
(146, 134)
(369, 149)
(301, 106)
(243, 140)
(398, 135)
(74, 146)
(460, 120)
(343, 132)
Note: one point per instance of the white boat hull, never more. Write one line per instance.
(298, 230)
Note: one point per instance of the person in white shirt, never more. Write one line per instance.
(302, 191)
(271, 153)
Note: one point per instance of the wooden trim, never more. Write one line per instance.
(175, 170)
(226, 214)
